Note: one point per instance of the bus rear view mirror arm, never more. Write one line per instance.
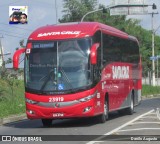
(16, 57)
(93, 54)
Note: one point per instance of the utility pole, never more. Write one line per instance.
(56, 12)
(1, 53)
(153, 64)
(153, 52)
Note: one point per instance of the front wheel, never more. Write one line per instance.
(103, 117)
(47, 122)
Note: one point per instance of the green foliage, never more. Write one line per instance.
(10, 79)
(75, 9)
(21, 43)
(11, 104)
(150, 90)
(8, 61)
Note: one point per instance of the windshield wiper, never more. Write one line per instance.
(46, 81)
(66, 78)
(64, 75)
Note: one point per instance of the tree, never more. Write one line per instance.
(21, 44)
(8, 61)
(75, 9)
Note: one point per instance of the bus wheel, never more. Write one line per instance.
(103, 117)
(130, 110)
(47, 122)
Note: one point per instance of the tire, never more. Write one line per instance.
(46, 122)
(130, 110)
(103, 117)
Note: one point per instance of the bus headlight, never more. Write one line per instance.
(87, 98)
(31, 101)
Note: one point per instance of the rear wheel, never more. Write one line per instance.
(130, 110)
(47, 122)
(103, 117)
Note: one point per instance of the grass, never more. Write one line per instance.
(150, 90)
(11, 104)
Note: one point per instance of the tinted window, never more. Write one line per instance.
(130, 52)
(111, 49)
(119, 50)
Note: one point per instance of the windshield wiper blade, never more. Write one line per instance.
(66, 78)
(46, 81)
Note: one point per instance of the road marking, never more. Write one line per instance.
(152, 113)
(150, 117)
(120, 127)
(146, 123)
(138, 129)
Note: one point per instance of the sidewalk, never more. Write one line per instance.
(12, 118)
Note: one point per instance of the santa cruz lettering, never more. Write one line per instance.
(59, 33)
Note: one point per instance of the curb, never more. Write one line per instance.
(13, 118)
(151, 96)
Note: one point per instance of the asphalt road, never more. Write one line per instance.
(145, 121)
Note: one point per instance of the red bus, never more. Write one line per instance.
(78, 70)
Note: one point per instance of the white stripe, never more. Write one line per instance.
(152, 113)
(124, 125)
(118, 128)
(139, 129)
(146, 123)
(150, 117)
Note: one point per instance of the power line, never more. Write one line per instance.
(11, 32)
(21, 61)
(2, 56)
(48, 3)
(11, 26)
(14, 36)
(10, 3)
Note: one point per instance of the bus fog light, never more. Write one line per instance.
(31, 112)
(87, 109)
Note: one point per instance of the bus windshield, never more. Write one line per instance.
(58, 66)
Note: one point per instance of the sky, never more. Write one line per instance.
(43, 12)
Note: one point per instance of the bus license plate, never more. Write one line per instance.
(58, 114)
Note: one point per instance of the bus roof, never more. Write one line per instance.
(74, 30)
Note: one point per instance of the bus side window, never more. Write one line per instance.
(111, 49)
(134, 52)
(130, 52)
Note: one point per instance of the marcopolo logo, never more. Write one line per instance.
(59, 33)
(120, 72)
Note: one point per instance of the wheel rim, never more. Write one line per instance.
(105, 109)
(132, 104)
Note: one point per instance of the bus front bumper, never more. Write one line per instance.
(84, 109)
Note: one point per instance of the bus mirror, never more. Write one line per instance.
(93, 54)
(16, 57)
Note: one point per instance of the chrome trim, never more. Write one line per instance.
(63, 104)
(58, 104)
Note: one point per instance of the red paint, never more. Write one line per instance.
(85, 29)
